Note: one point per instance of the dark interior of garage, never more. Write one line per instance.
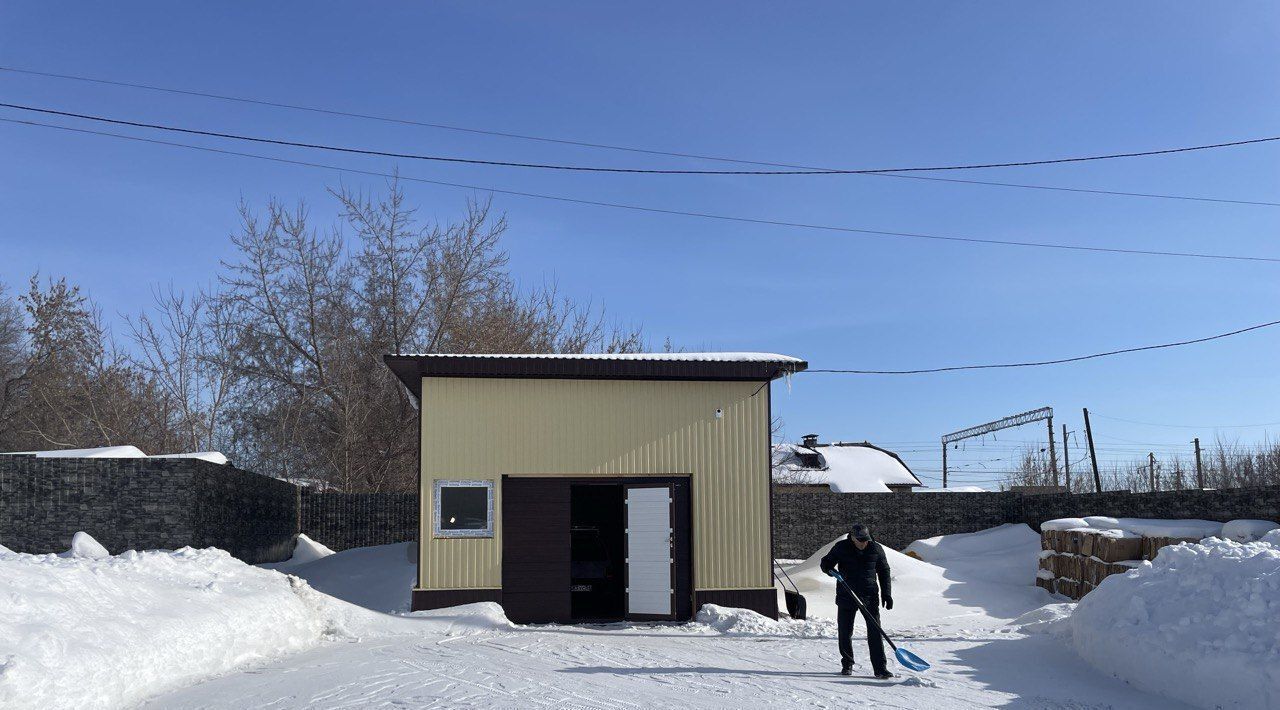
(597, 560)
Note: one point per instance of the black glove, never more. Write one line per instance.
(888, 602)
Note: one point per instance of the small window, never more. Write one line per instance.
(464, 509)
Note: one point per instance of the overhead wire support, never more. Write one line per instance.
(1008, 422)
(665, 211)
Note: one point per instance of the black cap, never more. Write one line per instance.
(860, 532)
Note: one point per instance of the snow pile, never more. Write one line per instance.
(982, 580)
(380, 578)
(745, 622)
(83, 632)
(82, 545)
(463, 620)
(1051, 619)
(953, 489)
(1198, 624)
(1138, 527)
(1006, 554)
(88, 630)
(305, 550)
(1247, 530)
(998, 540)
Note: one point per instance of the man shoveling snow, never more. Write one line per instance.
(861, 562)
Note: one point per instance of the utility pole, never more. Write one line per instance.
(944, 464)
(1066, 455)
(1093, 454)
(1053, 459)
(1151, 469)
(1199, 470)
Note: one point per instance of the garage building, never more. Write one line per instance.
(595, 487)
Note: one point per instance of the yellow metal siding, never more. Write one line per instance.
(484, 428)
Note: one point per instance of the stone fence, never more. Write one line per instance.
(805, 517)
(168, 503)
(345, 520)
(142, 504)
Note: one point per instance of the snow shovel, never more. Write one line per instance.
(797, 607)
(905, 657)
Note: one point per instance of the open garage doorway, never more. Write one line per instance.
(588, 549)
(597, 559)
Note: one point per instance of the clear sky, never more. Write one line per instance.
(840, 84)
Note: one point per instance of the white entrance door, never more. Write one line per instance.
(649, 589)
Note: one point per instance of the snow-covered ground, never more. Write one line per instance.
(955, 613)
(89, 631)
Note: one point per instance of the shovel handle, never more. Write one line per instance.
(869, 617)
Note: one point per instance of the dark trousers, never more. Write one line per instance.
(875, 644)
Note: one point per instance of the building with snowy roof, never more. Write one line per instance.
(846, 467)
(594, 487)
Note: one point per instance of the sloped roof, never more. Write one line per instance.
(848, 468)
(411, 368)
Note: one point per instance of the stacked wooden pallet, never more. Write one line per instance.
(1074, 562)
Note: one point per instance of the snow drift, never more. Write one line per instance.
(974, 580)
(86, 630)
(380, 578)
(1198, 624)
(745, 622)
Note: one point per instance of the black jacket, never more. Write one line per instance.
(861, 569)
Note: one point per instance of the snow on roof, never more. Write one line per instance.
(848, 468)
(954, 489)
(211, 456)
(655, 357)
(101, 452)
(119, 452)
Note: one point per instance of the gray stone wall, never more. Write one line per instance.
(807, 517)
(144, 504)
(345, 520)
(169, 503)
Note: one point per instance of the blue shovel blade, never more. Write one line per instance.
(911, 660)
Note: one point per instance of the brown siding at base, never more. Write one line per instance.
(440, 598)
(764, 601)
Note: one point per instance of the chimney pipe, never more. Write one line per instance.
(810, 440)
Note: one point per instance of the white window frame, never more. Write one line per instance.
(487, 531)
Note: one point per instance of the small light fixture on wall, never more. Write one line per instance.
(719, 414)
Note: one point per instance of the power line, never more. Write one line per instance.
(628, 149)
(658, 210)
(1189, 426)
(1049, 362)
(602, 169)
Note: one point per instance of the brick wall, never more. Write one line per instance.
(807, 517)
(144, 504)
(345, 520)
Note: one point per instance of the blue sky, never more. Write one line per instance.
(842, 84)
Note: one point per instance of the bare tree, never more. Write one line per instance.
(185, 348)
(311, 319)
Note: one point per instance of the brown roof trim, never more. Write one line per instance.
(410, 369)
